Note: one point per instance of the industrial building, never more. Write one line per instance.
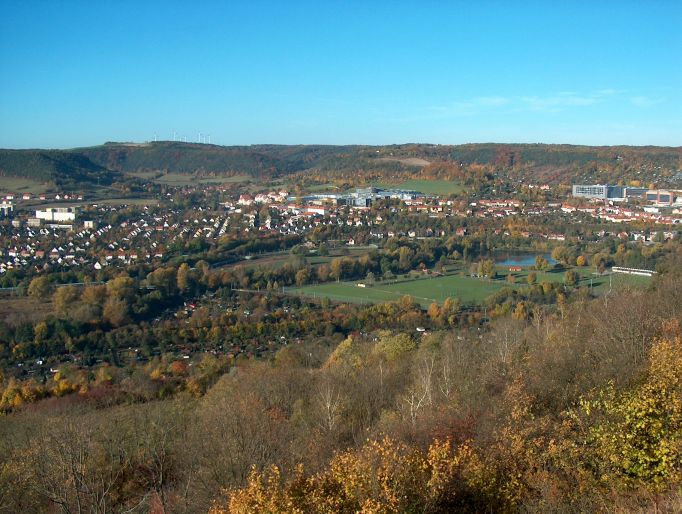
(598, 191)
(663, 197)
(607, 192)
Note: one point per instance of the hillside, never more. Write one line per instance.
(66, 170)
(532, 162)
(186, 158)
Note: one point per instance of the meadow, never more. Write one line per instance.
(22, 185)
(187, 179)
(469, 290)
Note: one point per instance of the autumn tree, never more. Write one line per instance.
(184, 277)
(639, 441)
(486, 268)
(541, 263)
(116, 311)
(64, 298)
(40, 287)
(164, 279)
(561, 254)
(302, 277)
(94, 294)
(123, 288)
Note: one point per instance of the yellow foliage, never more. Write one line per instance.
(638, 443)
(393, 346)
(381, 477)
(346, 352)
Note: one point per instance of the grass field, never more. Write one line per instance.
(21, 185)
(598, 283)
(469, 290)
(430, 187)
(424, 291)
(187, 179)
(322, 187)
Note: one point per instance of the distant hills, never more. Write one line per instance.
(107, 164)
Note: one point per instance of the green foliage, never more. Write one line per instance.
(393, 346)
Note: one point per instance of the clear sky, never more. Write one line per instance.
(78, 73)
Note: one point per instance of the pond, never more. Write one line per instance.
(520, 259)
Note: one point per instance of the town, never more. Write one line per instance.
(95, 236)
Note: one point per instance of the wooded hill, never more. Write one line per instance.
(549, 163)
(68, 170)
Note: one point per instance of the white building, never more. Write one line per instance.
(57, 214)
(6, 208)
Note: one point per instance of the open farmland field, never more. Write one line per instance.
(186, 179)
(22, 185)
(429, 187)
(180, 179)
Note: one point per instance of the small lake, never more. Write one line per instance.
(520, 259)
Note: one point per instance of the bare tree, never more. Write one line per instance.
(419, 395)
(328, 403)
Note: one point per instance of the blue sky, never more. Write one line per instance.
(81, 73)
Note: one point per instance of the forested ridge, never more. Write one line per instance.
(62, 169)
(552, 163)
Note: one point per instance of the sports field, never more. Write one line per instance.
(423, 290)
(468, 290)
(586, 278)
